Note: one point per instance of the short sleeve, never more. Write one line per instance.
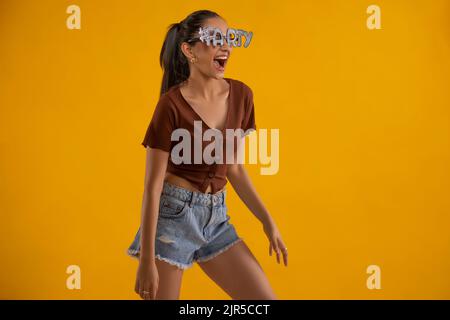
(162, 124)
(248, 123)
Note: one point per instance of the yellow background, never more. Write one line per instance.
(364, 144)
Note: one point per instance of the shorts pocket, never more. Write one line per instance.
(171, 207)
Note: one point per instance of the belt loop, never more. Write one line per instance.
(191, 202)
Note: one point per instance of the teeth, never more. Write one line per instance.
(221, 57)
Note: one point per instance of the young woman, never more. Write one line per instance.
(184, 216)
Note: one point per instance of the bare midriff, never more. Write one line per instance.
(183, 183)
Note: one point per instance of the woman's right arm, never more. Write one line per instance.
(155, 169)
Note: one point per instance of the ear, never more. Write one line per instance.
(187, 50)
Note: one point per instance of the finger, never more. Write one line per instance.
(277, 250)
(285, 254)
(140, 291)
(146, 293)
(143, 291)
(270, 249)
(153, 294)
(136, 287)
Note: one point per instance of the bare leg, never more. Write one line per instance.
(239, 274)
(170, 277)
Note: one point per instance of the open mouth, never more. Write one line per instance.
(220, 62)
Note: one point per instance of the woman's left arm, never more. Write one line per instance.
(239, 179)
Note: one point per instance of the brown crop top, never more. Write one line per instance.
(173, 111)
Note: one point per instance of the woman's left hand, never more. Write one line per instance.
(276, 243)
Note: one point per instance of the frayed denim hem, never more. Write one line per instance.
(174, 263)
(215, 254)
(183, 266)
(132, 253)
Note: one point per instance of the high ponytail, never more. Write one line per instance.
(172, 60)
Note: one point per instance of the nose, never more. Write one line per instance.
(225, 45)
(224, 49)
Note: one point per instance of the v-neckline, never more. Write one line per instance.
(230, 91)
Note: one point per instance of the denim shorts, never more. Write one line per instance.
(192, 226)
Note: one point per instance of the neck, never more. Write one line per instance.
(204, 87)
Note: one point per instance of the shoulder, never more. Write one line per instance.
(167, 102)
(168, 98)
(244, 93)
(166, 108)
(242, 87)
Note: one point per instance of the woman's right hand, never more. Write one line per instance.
(147, 280)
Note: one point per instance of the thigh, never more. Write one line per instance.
(250, 282)
(170, 277)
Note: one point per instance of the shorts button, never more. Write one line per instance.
(211, 174)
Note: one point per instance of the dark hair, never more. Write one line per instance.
(173, 62)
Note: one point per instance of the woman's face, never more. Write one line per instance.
(211, 60)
